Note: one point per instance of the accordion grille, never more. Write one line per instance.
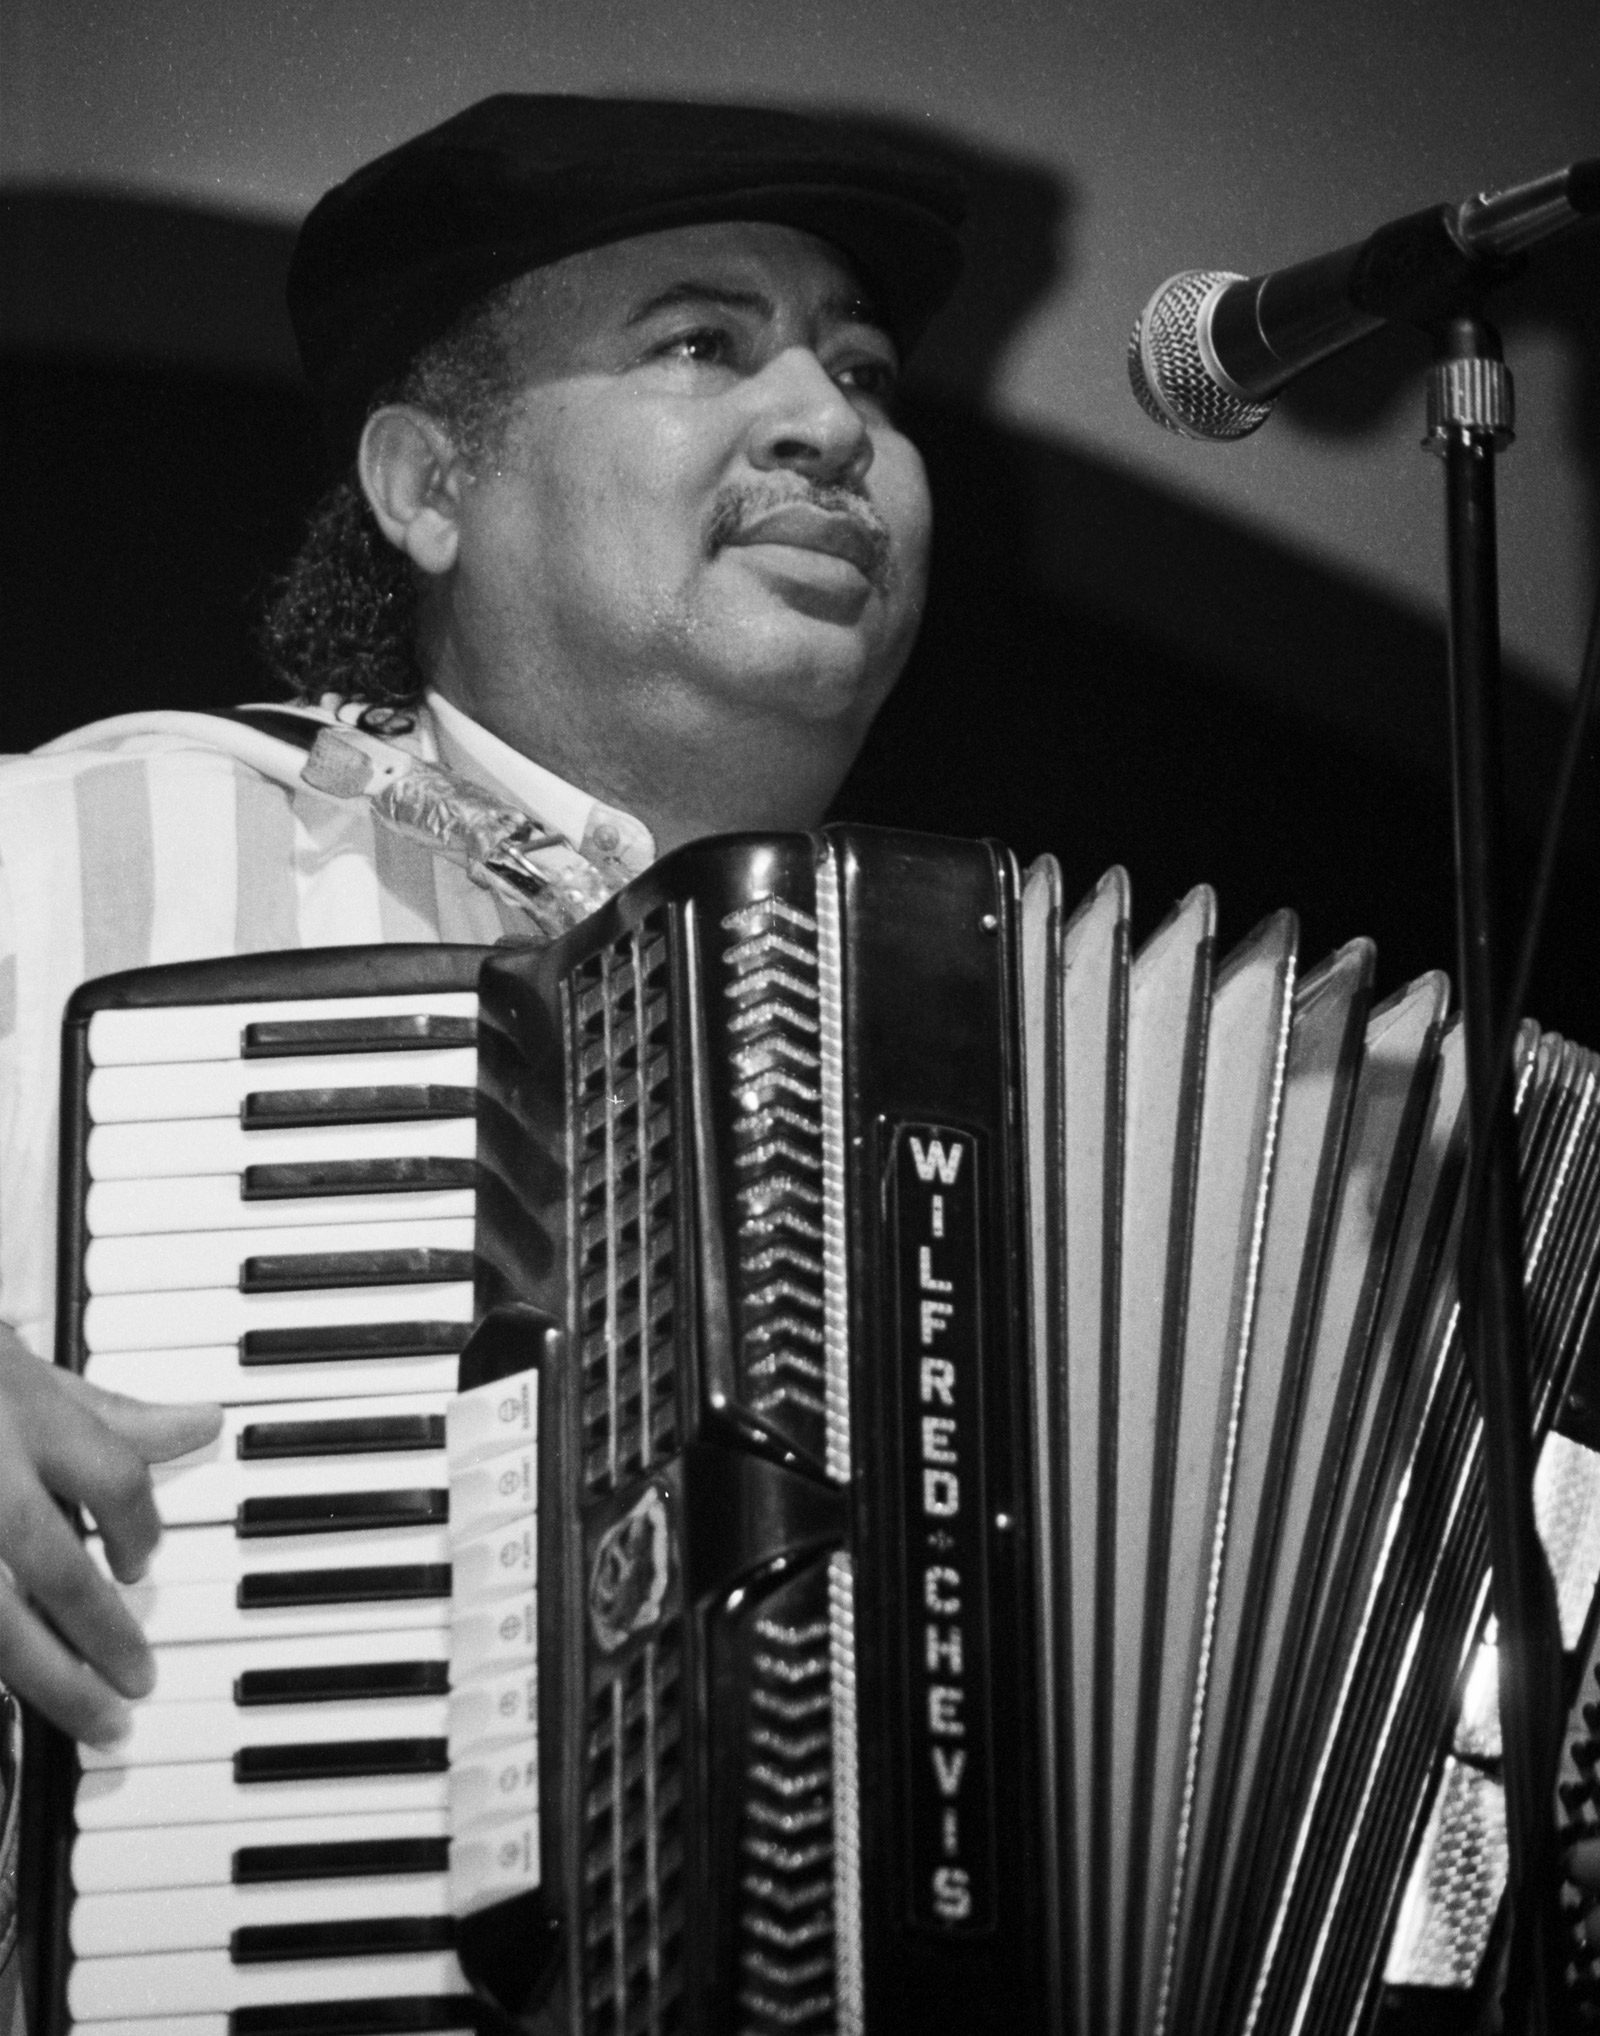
(623, 1171)
(633, 1864)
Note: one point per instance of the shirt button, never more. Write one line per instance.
(606, 837)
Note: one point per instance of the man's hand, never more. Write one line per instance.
(61, 1438)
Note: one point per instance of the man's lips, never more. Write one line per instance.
(837, 532)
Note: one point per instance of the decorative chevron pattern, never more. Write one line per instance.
(786, 1911)
(772, 983)
(619, 1078)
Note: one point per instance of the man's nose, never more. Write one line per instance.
(807, 422)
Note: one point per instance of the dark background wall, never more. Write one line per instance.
(1220, 665)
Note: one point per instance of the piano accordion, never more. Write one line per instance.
(961, 1509)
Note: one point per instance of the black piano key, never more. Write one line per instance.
(389, 1583)
(352, 1341)
(293, 1182)
(360, 1937)
(340, 1513)
(358, 1435)
(340, 1760)
(288, 1109)
(289, 1272)
(339, 1859)
(410, 2015)
(404, 1032)
(339, 1682)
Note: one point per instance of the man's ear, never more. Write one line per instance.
(412, 477)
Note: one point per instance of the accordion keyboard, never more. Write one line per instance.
(277, 1214)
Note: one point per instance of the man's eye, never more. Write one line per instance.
(878, 380)
(706, 343)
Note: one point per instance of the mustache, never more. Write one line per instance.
(739, 505)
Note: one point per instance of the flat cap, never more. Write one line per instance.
(388, 260)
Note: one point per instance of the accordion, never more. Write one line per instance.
(962, 1507)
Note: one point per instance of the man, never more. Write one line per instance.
(629, 542)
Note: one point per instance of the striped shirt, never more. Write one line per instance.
(127, 849)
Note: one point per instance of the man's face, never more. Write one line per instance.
(701, 524)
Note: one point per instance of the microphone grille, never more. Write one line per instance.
(1167, 365)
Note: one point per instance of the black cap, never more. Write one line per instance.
(390, 259)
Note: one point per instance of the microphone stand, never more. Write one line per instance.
(1469, 423)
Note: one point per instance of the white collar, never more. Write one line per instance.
(605, 834)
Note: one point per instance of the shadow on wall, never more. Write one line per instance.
(1106, 670)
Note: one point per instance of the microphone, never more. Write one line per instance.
(1211, 349)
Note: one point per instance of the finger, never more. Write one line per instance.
(124, 1506)
(84, 1460)
(52, 1678)
(96, 1447)
(53, 1568)
(127, 1516)
(45, 1401)
(157, 1429)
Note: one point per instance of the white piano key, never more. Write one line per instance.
(108, 1926)
(197, 1982)
(489, 1710)
(495, 1564)
(206, 1672)
(351, 1549)
(169, 1735)
(215, 1258)
(487, 1419)
(201, 1855)
(489, 1864)
(216, 1202)
(215, 1372)
(221, 1145)
(208, 1611)
(205, 1792)
(134, 1095)
(218, 2025)
(216, 1031)
(159, 2025)
(499, 1489)
(217, 1315)
(191, 1555)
